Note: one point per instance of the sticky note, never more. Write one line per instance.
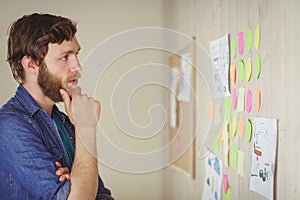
(249, 101)
(233, 99)
(257, 66)
(234, 157)
(241, 70)
(234, 126)
(257, 36)
(225, 137)
(240, 43)
(233, 74)
(241, 100)
(249, 130)
(228, 109)
(233, 48)
(225, 183)
(241, 158)
(248, 69)
(249, 40)
(241, 126)
(228, 194)
(216, 144)
(258, 100)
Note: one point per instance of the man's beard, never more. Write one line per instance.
(50, 84)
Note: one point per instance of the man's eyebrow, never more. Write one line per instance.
(70, 51)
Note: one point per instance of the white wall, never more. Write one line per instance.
(98, 20)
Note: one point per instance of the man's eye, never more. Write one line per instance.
(65, 57)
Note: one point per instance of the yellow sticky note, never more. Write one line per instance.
(241, 126)
(257, 66)
(241, 100)
(241, 158)
(233, 48)
(249, 130)
(249, 40)
(216, 144)
(249, 69)
(228, 194)
(257, 36)
(241, 70)
(233, 126)
(228, 109)
(234, 157)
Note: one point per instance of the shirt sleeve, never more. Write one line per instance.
(28, 160)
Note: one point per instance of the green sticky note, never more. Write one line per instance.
(249, 69)
(241, 70)
(257, 36)
(234, 126)
(216, 144)
(227, 195)
(257, 66)
(233, 48)
(249, 40)
(234, 157)
(228, 109)
(249, 130)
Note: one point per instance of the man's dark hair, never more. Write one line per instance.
(30, 36)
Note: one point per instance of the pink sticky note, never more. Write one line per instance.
(249, 101)
(225, 183)
(234, 99)
(241, 43)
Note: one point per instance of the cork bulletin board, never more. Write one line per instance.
(182, 109)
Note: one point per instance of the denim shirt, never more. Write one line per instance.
(29, 146)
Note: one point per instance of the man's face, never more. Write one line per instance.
(60, 69)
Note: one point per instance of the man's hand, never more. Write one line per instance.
(62, 172)
(82, 110)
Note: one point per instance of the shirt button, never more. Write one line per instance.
(54, 131)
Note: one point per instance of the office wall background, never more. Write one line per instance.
(208, 20)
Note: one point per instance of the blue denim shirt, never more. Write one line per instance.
(29, 146)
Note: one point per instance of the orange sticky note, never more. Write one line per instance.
(233, 74)
(258, 100)
(241, 126)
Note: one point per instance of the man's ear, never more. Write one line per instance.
(29, 65)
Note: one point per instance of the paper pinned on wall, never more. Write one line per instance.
(173, 98)
(263, 156)
(213, 177)
(220, 58)
(185, 87)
